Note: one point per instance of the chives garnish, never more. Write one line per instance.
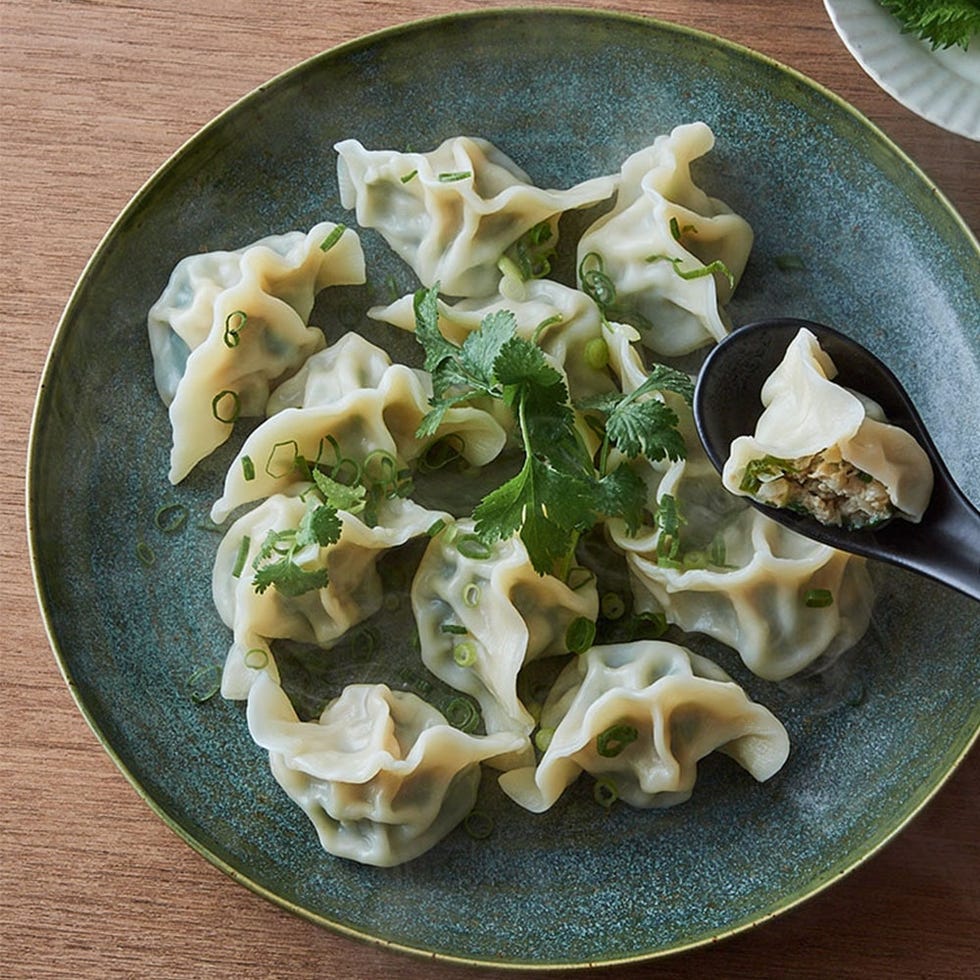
(464, 654)
(450, 177)
(455, 628)
(704, 270)
(332, 239)
(461, 713)
(580, 635)
(145, 554)
(170, 518)
(675, 229)
(436, 528)
(470, 546)
(596, 353)
(204, 683)
(478, 825)
(256, 658)
(241, 557)
(614, 739)
(605, 792)
(236, 406)
(818, 598)
(548, 321)
(542, 738)
(248, 468)
(234, 323)
(471, 595)
(790, 263)
(595, 283)
(612, 606)
(276, 452)
(407, 177)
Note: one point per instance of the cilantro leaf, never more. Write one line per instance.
(339, 495)
(481, 347)
(437, 348)
(289, 578)
(647, 427)
(320, 526)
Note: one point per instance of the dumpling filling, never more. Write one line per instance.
(829, 489)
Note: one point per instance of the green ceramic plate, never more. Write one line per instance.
(568, 94)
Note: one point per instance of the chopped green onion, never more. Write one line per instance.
(865, 477)
(454, 628)
(442, 452)
(145, 554)
(612, 606)
(595, 283)
(436, 528)
(365, 641)
(278, 473)
(596, 353)
(248, 468)
(790, 263)
(464, 654)
(579, 577)
(405, 178)
(461, 713)
(756, 469)
(448, 178)
(471, 595)
(614, 739)
(605, 792)
(236, 406)
(170, 518)
(234, 324)
(818, 598)
(478, 825)
(545, 324)
(700, 272)
(580, 635)
(242, 556)
(542, 738)
(256, 659)
(675, 229)
(648, 625)
(332, 239)
(471, 546)
(204, 683)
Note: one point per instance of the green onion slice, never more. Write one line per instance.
(612, 606)
(170, 518)
(332, 239)
(256, 658)
(580, 635)
(146, 554)
(464, 654)
(462, 713)
(234, 324)
(614, 739)
(605, 792)
(478, 825)
(450, 177)
(204, 683)
(241, 557)
(471, 546)
(231, 414)
(818, 598)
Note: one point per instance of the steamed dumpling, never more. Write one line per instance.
(453, 212)
(640, 716)
(321, 615)
(231, 325)
(656, 245)
(381, 774)
(828, 451)
(491, 604)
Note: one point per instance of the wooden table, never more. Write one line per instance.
(96, 95)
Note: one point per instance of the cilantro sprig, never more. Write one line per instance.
(560, 491)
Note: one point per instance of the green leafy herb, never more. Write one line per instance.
(941, 23)
(559, 493)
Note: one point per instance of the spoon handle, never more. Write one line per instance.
(946, 545)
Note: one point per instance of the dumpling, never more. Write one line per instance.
(321, 615)
(453, 212)
(357, 422)
(382, 776)
(662, 257)
(565, 323)
(483, 613)
(640, 716)
(827, 451)
(232, 325)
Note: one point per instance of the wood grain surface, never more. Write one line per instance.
(95, 96)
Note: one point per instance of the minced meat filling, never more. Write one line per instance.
(832, 491)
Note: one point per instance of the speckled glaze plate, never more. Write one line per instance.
(568, 94)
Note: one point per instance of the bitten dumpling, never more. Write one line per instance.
(671, 254)
(714, 565)
(483, 613)
(453, 212)
(320, 615)
(382, 776)
(827, 451)
(231, 325)
(640, 716)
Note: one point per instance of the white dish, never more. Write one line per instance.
(942, 86)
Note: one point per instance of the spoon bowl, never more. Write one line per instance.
(944, 545)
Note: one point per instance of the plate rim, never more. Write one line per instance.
(58, 340)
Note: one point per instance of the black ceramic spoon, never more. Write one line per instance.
(944, 546)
